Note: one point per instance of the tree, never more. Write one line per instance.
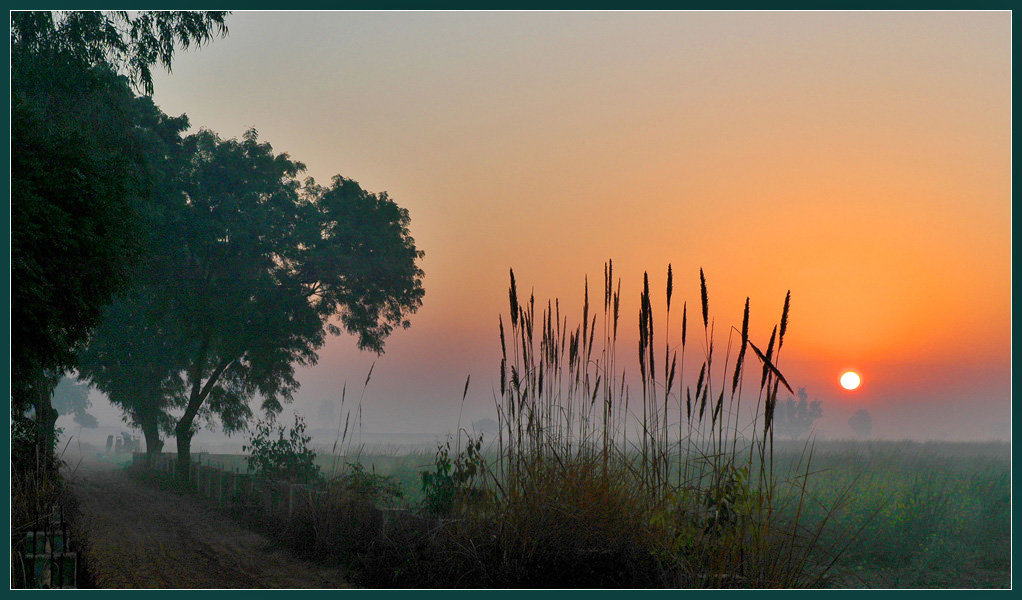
(75, 187)
(78, 180)
(132, 356)
(256, 268)
(861, 423)
(488, 426)
(117, 39)
(133, 360)
(794, 419)
(70, 397)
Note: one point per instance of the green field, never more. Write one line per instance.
(894, 514)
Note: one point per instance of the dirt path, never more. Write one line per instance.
(142, 537)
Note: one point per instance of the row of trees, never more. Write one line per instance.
(794, 417)
(183, 275)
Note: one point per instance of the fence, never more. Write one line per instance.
(280, 502)
(45, 557)
(281, 499)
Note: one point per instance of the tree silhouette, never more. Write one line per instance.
(78, 178)
(793, 419)
(124, 42)
(252, 269)
(70, 397)
(132, 356)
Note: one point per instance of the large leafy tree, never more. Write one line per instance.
(78, 177)
(256, 268)
(132, 356)
(76, 183)
(133, 360)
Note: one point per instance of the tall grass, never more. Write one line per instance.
(587, 485)
(585, 470)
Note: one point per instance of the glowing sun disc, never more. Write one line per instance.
(850, 380)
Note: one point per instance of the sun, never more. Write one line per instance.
(850, 380)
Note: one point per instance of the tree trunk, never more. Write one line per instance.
(153, 443)
(184, 449)
(46, 421)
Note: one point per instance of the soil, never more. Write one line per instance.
(139, 536)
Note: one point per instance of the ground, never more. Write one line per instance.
(141, 537)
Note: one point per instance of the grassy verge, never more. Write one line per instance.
(592, 487)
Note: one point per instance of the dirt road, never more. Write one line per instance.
(142, 537)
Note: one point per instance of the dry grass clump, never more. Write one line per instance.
(593, 488)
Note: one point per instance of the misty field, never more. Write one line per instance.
(887, 514)
(580, 484)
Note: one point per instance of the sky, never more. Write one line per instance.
(860, 160)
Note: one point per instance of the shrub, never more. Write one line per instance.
(456, 481)
(286, 458)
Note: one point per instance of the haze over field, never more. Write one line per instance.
(861, 160)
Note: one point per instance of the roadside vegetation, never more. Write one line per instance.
(568, 495)
(585, 486)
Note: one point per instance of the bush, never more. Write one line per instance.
(455, 481)
(286, 458)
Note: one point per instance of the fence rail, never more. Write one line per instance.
(281, 502)
(280, 499)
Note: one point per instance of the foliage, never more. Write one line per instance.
(79, 184)
(76, 186)
(934, 514)
(453, 481)
(380, 489)
(132, 356)
(256, 266)
(286, 457)
(861, 423)
(793, 418)
(591, 490)
(73, 398)
(117, 39)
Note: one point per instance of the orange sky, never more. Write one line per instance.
(861, 160)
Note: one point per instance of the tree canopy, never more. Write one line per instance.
(861, 423)
(255, 268)
(127, 43)
(79, 179)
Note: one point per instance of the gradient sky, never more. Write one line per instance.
(861, 160)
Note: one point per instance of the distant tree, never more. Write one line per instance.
(793, 419)
(70, 397)
(78, 180)
(861, 423)
(254, 268)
